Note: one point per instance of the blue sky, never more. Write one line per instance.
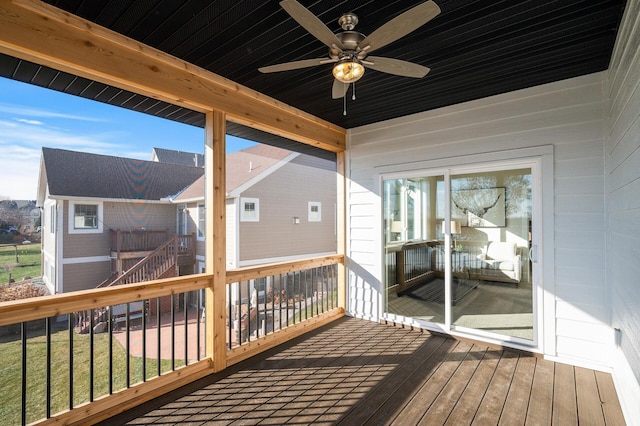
(32, 117)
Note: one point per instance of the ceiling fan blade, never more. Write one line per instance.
(287, 66)
(311, 23)
(395, 66)
(339, 89)
(400, 26)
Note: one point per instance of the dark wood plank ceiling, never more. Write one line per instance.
(475, 48)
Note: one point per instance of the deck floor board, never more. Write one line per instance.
(358, 372)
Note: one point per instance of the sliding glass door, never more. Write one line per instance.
(457, 250)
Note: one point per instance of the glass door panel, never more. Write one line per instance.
(490, 226)
(457, 251)
(414, 270)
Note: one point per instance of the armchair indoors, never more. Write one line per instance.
(499, 262)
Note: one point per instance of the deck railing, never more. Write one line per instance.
(94, 353)
(409, 262)
(137, 239)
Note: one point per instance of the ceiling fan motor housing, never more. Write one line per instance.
(350, 40)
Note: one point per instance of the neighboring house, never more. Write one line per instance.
(86, 198)
(23, 215)
(103, 214)
(273, 195)
(170, 156)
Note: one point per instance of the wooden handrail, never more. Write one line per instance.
(260, 271)
(18, 311)
(148, 268)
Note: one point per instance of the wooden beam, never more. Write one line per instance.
(40, 33)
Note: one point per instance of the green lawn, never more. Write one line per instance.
(28, 265)
(11, 377)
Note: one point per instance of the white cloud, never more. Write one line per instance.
(21, 143)
(18, 133)
(33, 122)
(42, 113)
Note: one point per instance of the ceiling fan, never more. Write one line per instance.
(349, 50)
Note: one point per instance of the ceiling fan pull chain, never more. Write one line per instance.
(344, 104)
(353, 95)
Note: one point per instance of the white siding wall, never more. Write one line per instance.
(565, 114)
(622, 146)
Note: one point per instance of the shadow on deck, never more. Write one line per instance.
(355, 372)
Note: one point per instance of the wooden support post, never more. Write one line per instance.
(215, 254)
(341, 228)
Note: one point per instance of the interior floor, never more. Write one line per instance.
(489, 306)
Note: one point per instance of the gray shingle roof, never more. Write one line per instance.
(80, 174)
(179, 157)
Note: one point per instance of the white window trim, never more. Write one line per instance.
(311, 217)
(243, 217)
(71, 214)
(204, 231)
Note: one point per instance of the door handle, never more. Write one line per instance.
(533, 254)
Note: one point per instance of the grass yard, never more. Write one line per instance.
(11, 377)
(28, 265)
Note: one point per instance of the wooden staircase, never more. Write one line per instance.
(162, 262)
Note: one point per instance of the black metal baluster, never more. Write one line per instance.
(47, 325)
(306, 297)
(239, 312)
(325, 302)
(313, 291)
(249, 310)
(258, 328)
(334, 281)
(230, 320)
(286, 290)
(144, 340)
(91, 356)
(273, 303)
(159, 334)
(70, 324)
(110, 349)
(127, 346)
(300, 294)
(280, 287)
(173, 332)
(23, 397)
(186, 329)
(199, 302)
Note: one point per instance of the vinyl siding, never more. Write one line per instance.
(622, 147)
(285, 194)
(117, 215)
(82, 276)
(565, 114)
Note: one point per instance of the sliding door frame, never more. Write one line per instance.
(540, 161)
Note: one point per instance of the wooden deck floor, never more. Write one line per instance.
(355, 372)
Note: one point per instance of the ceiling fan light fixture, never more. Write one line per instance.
(348, 71)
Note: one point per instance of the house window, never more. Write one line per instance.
(85, 218)
(249, 209)
(315, 212)
(201, 221)
(52, 219)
